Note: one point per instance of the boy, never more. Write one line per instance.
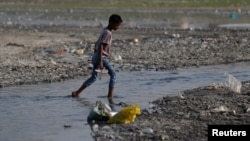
(100, 57)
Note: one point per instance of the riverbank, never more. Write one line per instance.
(52, 54)
(185, 117)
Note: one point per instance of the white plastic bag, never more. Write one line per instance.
(101, 112)
(233, 83)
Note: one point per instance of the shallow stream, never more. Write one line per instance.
(39, 112)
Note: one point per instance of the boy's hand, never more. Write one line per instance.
(101, 70)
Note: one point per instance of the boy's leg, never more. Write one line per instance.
(112, 75)
(111, 91)
(76, 93)
(87, 83)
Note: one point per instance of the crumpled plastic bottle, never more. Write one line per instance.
(233, 83)
(101, 112)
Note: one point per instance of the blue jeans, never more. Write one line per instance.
(94, 75)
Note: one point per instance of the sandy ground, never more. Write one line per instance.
(44, 55)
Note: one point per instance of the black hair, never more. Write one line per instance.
(114, 18)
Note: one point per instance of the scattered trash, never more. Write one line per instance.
(176, 35)
(135, 40)
(148, 130)
(234, 112)
(248, 110)
(102, 112)
(95, 128)
(181, 96)
(79, 51)
(125, 115)
(223, 109)
(233, 15)
(117, 57)
(233, 83)
(53, 62)
(220, 109)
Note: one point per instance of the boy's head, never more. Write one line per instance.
(115, 21)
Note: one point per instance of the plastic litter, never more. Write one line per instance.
(148, 130)
(125, 115)
(234, 15)
(233, 83)
(220, 109)
(101, 112)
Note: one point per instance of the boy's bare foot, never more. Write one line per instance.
(75, 94)
(110, 99)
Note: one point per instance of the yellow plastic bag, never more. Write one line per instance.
(125, 115)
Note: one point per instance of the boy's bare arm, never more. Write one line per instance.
(100, 55)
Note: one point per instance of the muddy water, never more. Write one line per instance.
(159, 19)
(39, 112)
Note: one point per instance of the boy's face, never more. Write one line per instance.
(116, 26)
